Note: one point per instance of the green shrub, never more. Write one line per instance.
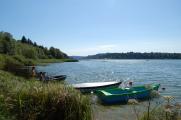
(50, 102)
(34, 100)
(4, 115)
(29, 62)
(12, 65)
(23, 60)
(30, 53)
(2, 61)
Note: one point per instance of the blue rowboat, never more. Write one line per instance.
(120, 95)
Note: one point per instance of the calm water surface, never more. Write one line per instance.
(165, 72)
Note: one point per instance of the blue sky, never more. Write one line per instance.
(84, 27)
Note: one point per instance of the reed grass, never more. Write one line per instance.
(33, 100)
(167, 110)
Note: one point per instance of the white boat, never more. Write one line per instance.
(91, 87)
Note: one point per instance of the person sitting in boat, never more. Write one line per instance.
(126, 84)
(42, 76)
(129, 84)
(45, 77)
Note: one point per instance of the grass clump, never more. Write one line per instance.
(167, 110)
(34, 100)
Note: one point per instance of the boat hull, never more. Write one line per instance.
(55, 78)
(92, 88)
(60, 77)
(114, 97)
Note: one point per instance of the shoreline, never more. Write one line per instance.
(43, 62)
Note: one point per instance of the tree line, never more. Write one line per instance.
(27, 48)
(136, 55)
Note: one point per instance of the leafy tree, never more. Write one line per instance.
(56, 53)
(7, 44)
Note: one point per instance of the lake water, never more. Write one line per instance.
(165, 72)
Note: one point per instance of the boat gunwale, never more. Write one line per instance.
(124, 94)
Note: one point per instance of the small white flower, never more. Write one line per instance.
(168, 97)
(133, 101)
(168, 110)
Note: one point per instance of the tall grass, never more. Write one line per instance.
(165, 110)
(34, 100)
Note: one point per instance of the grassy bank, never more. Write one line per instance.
(46, 61)
(33, 100)
(8, 62)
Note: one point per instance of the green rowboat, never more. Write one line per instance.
(120, 95)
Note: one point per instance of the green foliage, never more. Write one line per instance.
(25, 47)
(7, 44)
(4, 115)
(2, 61)
(26, 62)
(16, 64)
(23, 39)
(34, 100)
(56, 53)
(11, 63)
(29, 53)
(26, 51)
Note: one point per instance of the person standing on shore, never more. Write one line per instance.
(33, 71)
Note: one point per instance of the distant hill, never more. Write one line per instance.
(135, 55)
(77, 57)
